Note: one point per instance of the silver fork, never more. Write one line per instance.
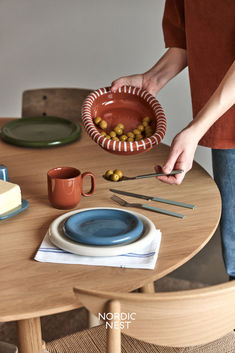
(145, 207)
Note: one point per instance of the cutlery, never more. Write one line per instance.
(146, 175)
(158, 199)
(145, 207)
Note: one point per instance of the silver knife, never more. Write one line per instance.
(145, 207)
(158, 199)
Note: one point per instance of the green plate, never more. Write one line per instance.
(48, 131)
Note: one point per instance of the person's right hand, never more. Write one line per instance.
(170, 64)
(144, 81)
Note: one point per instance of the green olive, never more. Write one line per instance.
(136, 131)
(112, 133)
(149, 130)
(145, 123)
(147, 119)
(108, 173)
(121, 126)
(138, 137)
(118, 172)
(140, 127)
(123, 138)
(103, 124)
(130, 139)
(115, 138)
(114, 177)
(118, 130)
(97, 120)
(130, 134)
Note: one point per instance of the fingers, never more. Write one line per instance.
(115, 85)
(171, 179)
(173, 158)
(132, 80)
(175, 161)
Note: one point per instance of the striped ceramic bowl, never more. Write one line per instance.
(129, 105)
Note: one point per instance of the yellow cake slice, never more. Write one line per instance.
(10, 196)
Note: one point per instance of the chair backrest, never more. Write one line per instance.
(61, 102)
(175, 319)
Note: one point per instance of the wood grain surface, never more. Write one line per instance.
(31, 289)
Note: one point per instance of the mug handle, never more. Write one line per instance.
(89, 193)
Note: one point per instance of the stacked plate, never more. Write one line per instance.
(101, 231)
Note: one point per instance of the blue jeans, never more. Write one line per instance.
(224, 175)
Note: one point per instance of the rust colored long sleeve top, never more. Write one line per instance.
(206, 29)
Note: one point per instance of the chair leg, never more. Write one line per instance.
(148, 288)
(113, 329)
(30, 335)
(44, 348)
(93, 320)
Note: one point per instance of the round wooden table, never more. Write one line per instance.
(31, 289)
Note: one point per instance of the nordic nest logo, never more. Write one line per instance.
(117, 320)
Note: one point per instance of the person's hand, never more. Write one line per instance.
(144, 81)
(169, 65)
(180, 157)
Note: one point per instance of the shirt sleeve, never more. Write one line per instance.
(173, 24)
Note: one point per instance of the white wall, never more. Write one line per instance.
(85, 43)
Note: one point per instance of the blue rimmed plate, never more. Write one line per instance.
(103, 227)
(60, 240)
(24, 205)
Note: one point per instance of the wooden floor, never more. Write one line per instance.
(207, 266)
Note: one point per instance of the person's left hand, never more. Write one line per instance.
(181, 156)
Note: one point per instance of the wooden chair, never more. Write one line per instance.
(198, 320)
(61, 102)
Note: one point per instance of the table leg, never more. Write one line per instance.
(148, 288)
(30, 335)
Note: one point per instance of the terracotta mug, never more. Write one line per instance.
(65, 186)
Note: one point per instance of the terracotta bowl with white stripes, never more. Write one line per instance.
(129, 105)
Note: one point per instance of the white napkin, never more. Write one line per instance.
(145, 258)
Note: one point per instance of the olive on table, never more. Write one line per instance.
(114, 177)
(118, 172)
(108, 173)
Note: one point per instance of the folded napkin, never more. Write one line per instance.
(144, 258)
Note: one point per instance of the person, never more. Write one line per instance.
(200, 35)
